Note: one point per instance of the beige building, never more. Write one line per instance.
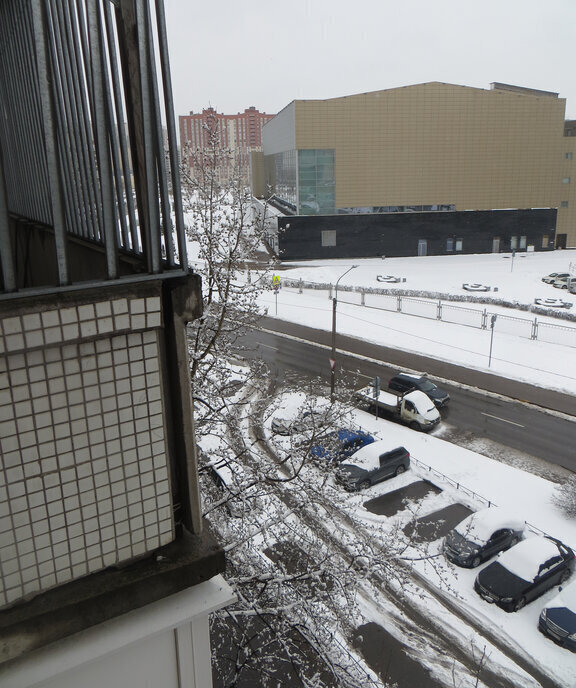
(426, 147)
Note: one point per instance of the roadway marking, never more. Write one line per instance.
(489, 415)
(268, 346)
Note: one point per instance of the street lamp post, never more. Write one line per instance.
(333, 359)
(492, 323)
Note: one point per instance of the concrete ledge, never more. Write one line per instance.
(76, 606)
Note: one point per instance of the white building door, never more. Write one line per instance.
(422, 247)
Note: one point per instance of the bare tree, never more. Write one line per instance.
(296, 560)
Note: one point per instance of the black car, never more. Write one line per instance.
(525, 572)
(558, 618)
(371, 466)
(405, 382)
(482, 535)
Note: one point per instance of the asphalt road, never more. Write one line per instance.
(530, 419)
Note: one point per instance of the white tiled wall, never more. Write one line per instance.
(84, 480)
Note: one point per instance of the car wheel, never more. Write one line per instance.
(564, 577)
(364, 485)
(399, 470)
(414, 425)
(520, 604)
(476, 562)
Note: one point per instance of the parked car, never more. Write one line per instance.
(482, 535)
(372, 465)
(563, 282)
(341, 444)
(554, 276)
(405, 382)
(558, 618)
(309, 420)
(554, 303)
(525, 572)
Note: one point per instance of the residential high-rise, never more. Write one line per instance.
(241, 134)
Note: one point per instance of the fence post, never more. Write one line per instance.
(330, 292)
(484, 324)
(300, 285)
(534, 334)
(439, 311)
(363, 298)
(399, 306)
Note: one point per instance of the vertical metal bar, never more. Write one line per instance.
(101, 130)
(6, 255)
(39, 19)
(78, 142)
(83, 52)
(64, 103)
(165, 222)
(150, 176)
(84, 86)
(171, 127)
(133, 237)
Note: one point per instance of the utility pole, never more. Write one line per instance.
(333, 357)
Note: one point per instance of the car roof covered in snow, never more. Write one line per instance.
(368, 457)
(525, 559)
(479, 526)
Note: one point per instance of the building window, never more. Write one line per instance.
(329, 237)
(458, 245)
(522, 242)
(544, 241)
(563, 204)
(449, 244)
(514, 242)
(568, 156)
(316, 182)
(566, 180)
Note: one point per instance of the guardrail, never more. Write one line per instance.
(468, 492)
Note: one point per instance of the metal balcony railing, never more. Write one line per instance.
(84, 160)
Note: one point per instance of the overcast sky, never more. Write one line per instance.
(232, 54)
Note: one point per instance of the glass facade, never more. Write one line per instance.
(281, 174)
(303, 180)
(316, 182)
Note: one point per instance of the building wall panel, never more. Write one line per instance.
(84, 478)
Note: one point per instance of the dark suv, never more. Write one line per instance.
(374, 469)
(404, 383)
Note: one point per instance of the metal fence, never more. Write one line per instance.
(436, 309)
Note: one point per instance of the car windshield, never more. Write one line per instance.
(460, 543)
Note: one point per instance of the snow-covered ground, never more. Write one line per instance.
(548, 365)
(526, 495)
(529, 496)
